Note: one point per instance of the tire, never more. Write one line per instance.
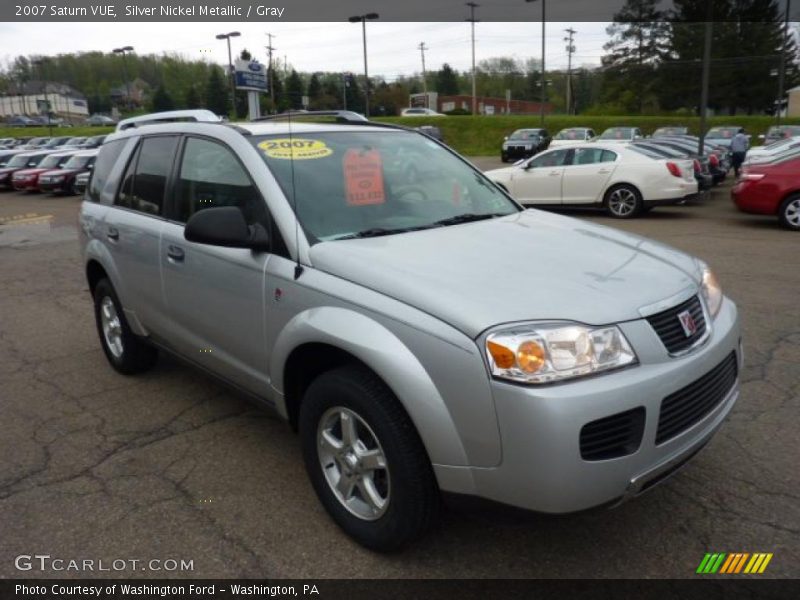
(503, 158)
(126, 352)
(789, 212)
(72, 190)
(404, 491)
(623, 201)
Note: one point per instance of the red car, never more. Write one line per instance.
(23, 160)
(28, 179)
(63, 180)
(771, 188)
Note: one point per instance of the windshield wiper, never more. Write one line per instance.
(467, 218)
(378, 231)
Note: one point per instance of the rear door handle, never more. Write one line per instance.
(175, 253)
(112, 233)
(604, 171)
(554, 173)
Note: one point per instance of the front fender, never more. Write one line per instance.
(382, 351)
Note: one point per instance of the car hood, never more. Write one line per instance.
(528, 266)
(31, 171)
(63, 171)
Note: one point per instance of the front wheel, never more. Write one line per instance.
(623, 202)
(365, 459)
(789, 212)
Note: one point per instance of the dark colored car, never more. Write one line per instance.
(669, 131)
(62, 180)
(780, 132)
(717, 157)
(704, 178)
(81, 182)
(28, 179)
(22, 160)
(20, 121)
(723, 135)
(56, 142)
(771, 189)
(94, 141)
(36, 143)
(524, 143)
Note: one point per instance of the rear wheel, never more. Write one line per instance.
(789, 213)
(126, 352)
(623, 201)
(365, 459)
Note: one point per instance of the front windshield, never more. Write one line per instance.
(619, 133)
(51, 161)
(77, 162)
(722, 132)
(524, 134)
(21, 161)
(570, 134)
(364, 183)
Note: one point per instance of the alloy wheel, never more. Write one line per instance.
(353, 462)
(622, 202)
(112, 327)
(792, 213)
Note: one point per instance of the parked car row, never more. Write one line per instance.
(64, 142)
(46, 170)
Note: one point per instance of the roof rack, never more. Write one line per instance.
(170, 116)
(342, 116)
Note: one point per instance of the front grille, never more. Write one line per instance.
(667, 325)
(614, 436)
(682, 409)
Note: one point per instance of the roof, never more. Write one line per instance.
(35, 86)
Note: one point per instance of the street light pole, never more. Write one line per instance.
(124, 51)
(782, 67)
(363, 19)
(40, 64)
(228, 36)
(473, 20)
(544, 82)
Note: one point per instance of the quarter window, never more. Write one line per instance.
(109, 153)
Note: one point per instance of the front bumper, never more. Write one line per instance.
(53, 186)
(29, 185)
(517, 152)
(542, 468)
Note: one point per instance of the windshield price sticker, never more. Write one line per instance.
(295, 149)
(363, 177)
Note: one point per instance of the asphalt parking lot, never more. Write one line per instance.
(171, 465)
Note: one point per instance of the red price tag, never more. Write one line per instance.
(363, 177)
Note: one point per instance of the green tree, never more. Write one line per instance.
(162, 100)
(294, 90)
(446, 81)
(217, 93)
(638, 42)
(193, 98)
(314, 88)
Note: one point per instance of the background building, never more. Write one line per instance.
(31, 98)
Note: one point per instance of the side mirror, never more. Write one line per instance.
(225, 226)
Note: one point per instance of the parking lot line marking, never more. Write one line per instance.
(27, 219)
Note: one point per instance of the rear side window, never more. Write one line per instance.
(145, 180)
(108, 155)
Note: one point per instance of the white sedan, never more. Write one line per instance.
(572, 136)
(623, 179)
(420, 112)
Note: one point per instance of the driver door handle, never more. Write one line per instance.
(554, 173)
(604, 171)
(175, 253)
(112, 233)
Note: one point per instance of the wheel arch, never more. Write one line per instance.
(322, 338)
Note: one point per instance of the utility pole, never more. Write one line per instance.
(473, 20)
(570, 49)
(422, 49)
(782, 67)
(40, 63)
(270, 49)
(544, 71)
(706, 75)
(363, 20)
(345, 85)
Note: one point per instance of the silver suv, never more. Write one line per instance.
(422, 331)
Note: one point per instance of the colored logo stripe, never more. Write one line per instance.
(720, 562)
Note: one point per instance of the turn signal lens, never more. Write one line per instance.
(530, 357)
(503, 357)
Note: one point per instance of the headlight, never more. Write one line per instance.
(547, 353)
(57, 178)
(712, 291)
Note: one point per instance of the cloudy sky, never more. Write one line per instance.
(393, 47)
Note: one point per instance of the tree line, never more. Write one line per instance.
(652, 66)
